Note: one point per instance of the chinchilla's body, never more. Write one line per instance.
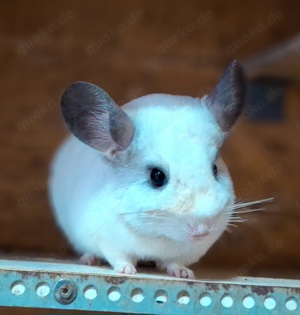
(145, 181)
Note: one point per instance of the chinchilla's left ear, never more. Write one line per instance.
(226, 100)
(95, 119)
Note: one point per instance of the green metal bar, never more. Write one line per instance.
(70, 286)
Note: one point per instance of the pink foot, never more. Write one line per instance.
(180, 271)
(124, 267)
(90, 260)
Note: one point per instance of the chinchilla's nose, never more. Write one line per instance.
(199, 230)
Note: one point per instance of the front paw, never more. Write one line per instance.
(124, 267)
(178, 271)
(90, 260)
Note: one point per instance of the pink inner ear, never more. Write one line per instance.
(121, 127)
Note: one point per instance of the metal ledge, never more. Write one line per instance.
(56, 285)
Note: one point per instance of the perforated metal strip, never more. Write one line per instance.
(71, 286)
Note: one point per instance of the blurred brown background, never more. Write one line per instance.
(131, 48)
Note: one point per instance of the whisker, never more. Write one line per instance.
(232, 225)
(238, 221)
(248, 210)
(229, 230)
(235, 218)
(251, 203)
(233, 212)
(149, 213)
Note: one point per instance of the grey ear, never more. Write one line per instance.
(226, 100)
(94, 118)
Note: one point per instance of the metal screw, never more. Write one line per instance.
(65, 291)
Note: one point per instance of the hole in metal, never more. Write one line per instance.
(227, 300)
(114, 294)
(161, 296)
(248, 301)
(291, 304)
(205, 299)
(137, 295)
(183, 298)
(269, 303)
(90, 292)
(42, 289)
(17, 288)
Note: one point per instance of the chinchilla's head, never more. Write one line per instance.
(164, 149)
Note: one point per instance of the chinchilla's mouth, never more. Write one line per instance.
(185, 228)
(157, 223)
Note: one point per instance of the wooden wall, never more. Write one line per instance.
(132, 48)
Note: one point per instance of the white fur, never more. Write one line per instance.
(111, 211)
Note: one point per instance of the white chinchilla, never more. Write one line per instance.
(145, 181)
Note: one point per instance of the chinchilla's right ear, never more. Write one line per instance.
(227, 98)
(94, 118)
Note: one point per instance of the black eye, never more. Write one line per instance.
(158, 177)
(215, 170)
